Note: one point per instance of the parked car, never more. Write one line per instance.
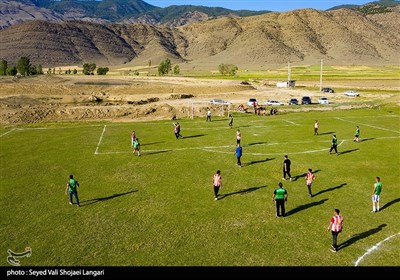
(327, 89)
(220, 101)
(323, 100)
(273, 103)
(293, 101)
(351, 93)
(252, 101)
(306, 100)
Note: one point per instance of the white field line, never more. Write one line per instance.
(101, 137)
(5, 133)
(373, 248)
(290, 122)
(48, 128)
(377, 127)
(223, 127)
(273, 154)
(205, 128)
(381, 116)
(166, 150)
(212, 148)
(55, 128)
(26, 128)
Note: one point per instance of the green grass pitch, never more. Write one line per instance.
(158, 209)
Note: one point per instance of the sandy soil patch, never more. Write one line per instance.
(50, 98)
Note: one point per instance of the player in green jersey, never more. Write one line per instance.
(376, 193)
(72, 189)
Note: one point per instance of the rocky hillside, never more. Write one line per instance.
(341, 36)
(111, 11)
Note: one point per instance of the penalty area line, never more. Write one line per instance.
(363, 124)
(207, 149)
(101, 137)
(216, 149)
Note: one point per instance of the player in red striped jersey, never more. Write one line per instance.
(310, 177)
(335, 226)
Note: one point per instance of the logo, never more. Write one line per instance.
(13, 257)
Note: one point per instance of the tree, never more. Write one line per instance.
(88, 68)
(3, 67)
(33, 70)
(24, 66)
(164, 67)
(12, 71)
(177, 70)
(40, 69)
(227, 69)
(74, 71)
(36, 70)
(102, 70)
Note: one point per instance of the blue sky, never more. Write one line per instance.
(257, 5)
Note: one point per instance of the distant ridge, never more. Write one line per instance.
(304, 36)
(380, 6)
(112, 11)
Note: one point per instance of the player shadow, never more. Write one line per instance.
(153, 143)
(194, 136)
(294, 178)
(330, 189)
(101, 199)
(359, 236)
(366, 139)
(390, 203)
(255, 143)
(241, 192)
(348, 151)
(157, 152)
(304, 207)
(256, 161)
(325, 133)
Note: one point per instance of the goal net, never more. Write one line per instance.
(200, 109)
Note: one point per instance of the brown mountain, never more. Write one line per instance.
(109, 11)
(340, 36)
(12, 12)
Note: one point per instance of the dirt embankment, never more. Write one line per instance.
(69, 98)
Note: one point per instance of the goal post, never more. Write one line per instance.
(200, 108)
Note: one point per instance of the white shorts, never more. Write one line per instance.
(375, 198)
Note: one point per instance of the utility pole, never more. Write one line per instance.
(288, 79)
(320, 77)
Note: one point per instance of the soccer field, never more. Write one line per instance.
(159, 209)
